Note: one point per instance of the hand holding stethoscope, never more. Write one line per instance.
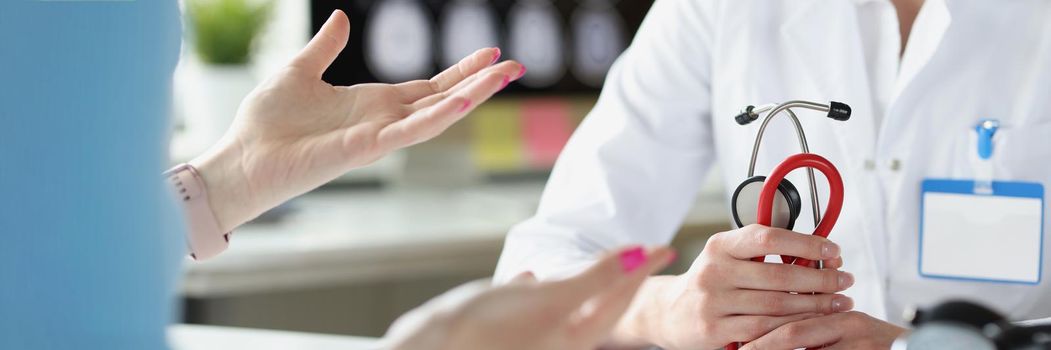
(776, 201)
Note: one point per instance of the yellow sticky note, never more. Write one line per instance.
(496, 128)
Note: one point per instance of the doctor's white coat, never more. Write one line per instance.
(633, 168)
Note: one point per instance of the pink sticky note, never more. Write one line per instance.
(546, 129)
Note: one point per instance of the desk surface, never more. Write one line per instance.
(194, 337)
(351, 236)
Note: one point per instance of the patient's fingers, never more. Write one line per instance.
(523, 278)
(510, 69)
(611, 272)
(325, 46)
(603, 311)
(468, 66)
(427, 123)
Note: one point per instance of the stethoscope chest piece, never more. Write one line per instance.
(787, 203)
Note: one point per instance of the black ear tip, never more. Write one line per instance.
(746, 116)
(838, 111)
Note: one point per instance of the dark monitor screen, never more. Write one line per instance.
(567, 44)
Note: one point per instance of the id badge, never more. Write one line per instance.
(989, 236)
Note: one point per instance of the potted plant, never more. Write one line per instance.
(223, 33)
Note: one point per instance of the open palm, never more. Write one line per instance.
(295, 132)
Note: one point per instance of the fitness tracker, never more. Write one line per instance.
(204, 238)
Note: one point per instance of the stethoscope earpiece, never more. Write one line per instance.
(838, 111)
(746, 116)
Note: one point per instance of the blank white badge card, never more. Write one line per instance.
(995, 237)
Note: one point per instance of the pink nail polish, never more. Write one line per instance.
(507, 80)
(496, 56)
(674, 256)
(521, 71)
(632, 258)
(466, 104)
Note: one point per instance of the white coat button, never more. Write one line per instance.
(895, 164)
(870, 164)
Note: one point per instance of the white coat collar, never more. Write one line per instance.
(824, 39)
(814, 26)
(824, 42)
(931, 24)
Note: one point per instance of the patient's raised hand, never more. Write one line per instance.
(295, 132)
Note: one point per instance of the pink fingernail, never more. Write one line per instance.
(496, 57)
(521, 71)
(842, 303)
(674, 257)
(333, 15)
(466, 104)
(846, 279)
(507, 80)
(632, 258)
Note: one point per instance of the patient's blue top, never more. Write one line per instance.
(91, 240)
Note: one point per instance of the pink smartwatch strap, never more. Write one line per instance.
(204, 237)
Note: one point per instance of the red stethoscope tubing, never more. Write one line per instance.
(835, 198)
(766, 200)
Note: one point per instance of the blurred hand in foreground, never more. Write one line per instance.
(572, 314)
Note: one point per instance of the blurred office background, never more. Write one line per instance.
(350, 257)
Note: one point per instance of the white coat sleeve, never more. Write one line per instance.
(631, 171)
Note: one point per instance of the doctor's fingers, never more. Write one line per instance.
(787, 278)
(831, 264)
(625, 269)
(467, 67)
(747, 328)
(845, 330)
(757, 240)
(770, 303)
(508, 69)
(812, 332)
(427, 123)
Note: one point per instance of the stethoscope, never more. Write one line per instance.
(776, 200)
(960, 324)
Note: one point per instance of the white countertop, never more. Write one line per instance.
(194, 337)
(364, 235)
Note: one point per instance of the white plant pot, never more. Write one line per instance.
(211, 97)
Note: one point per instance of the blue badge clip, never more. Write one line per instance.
(986, 129)
(983, 182)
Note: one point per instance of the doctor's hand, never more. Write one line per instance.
(725, 297)
(849, 330)
(295, 132)
(572, 314)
